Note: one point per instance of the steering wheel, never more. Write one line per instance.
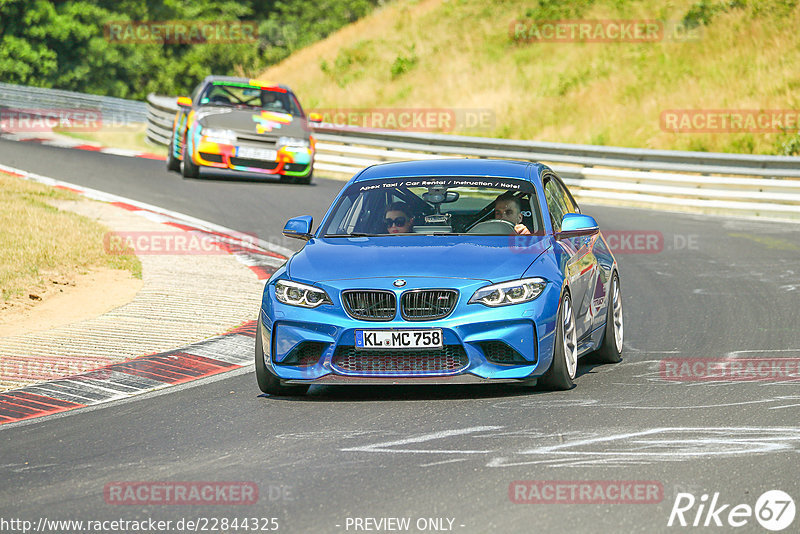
(495, 226)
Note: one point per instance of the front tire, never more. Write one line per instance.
(562, 370)
(188, 168)
(305, 180)
(267, 382)
(173, 163)
(300, 180)
(610, 350)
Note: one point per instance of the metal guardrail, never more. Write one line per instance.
(731, 183)
(160, 113)
(113, 111)
(159, 107)
(711, 182)
(584, 155)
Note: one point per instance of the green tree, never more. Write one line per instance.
(63, 44)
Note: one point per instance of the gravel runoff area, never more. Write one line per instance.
(184, 298)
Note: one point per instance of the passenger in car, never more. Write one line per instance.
(507, 207)
(398, 218)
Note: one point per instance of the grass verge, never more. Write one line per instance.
(40, 241)
(131, 137)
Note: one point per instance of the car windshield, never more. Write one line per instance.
(435, 206)
(251, 96)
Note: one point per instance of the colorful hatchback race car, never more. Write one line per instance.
(242, 125)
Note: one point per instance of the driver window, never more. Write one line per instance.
(195, 93)
(295, 108)
(527, 213)
(572, 207)
(556, 204)
(272, 101)
(350, 213)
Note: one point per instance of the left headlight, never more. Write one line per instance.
(296, 294)
(218, 135)
(506, 293)
(293, 142)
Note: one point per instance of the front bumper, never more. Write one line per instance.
(289, 161)
(462, 379)
(527, 330)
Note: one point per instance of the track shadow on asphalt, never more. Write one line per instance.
(244, 177)
(369, 393)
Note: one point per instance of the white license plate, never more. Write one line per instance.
(399, 339)
(256, 153)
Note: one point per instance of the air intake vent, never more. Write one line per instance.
(305, 354)
(499, 352)
(449, 359)
(428, 304)
(370, 305)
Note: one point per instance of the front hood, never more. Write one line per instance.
(491, 258)
(253, 121)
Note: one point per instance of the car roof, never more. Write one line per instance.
(453, 167)
(239, 79)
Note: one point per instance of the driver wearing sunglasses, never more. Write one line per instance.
(398, 219)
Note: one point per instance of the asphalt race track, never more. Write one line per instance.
(714, 288)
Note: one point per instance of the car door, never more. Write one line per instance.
(581, 265)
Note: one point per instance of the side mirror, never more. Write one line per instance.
(299, 227)
(184, 102)
(315, 117)
(575, 224)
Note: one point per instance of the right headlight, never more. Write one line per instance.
(297, 294)
(506, 293)
(218, 135)
(293, 142)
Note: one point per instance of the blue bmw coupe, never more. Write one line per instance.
(443, 271)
